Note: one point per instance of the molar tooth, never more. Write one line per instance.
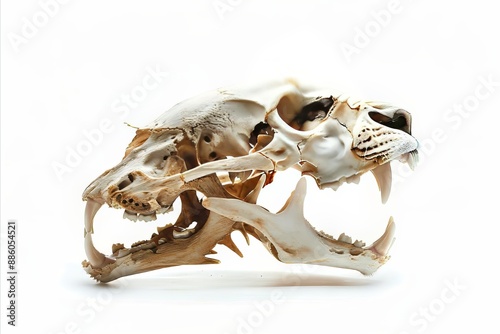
(123, 252)
(183, 234)
(148, 245)
(354, 179)
(359, 244)
(345, 238)
(116, 247)
(135, 249)
(147, 218)
(130, 215)
(333, 185)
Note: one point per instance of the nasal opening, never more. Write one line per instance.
(401, 120)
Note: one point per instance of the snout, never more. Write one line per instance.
(399, 120)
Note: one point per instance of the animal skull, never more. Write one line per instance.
(227, 145)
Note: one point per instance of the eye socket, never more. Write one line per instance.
(401, 120)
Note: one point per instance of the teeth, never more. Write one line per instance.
(345, 238)
(130, 216)
(183, 234)
(96, 258)
(384, 243)
(148, 245)
(147, 218)
(383, 175)
(162, 241)
(412, 159)
(354, 179)
(116, 247)
(359, 243)
(122, 253)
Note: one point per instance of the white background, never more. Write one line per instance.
(67, 75)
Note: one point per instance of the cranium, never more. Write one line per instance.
(227, 145)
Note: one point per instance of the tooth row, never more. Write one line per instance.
(345, 238)
(336, 184)
(138, 217)
(137, 246)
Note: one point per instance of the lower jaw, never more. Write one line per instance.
(194, 249)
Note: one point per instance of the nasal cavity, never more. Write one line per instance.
(125, 183)
(400, 120)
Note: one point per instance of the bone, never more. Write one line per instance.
(288, 231)
(228, 145)
(255, 161)
(383, 175)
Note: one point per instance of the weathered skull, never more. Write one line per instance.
(227, 145)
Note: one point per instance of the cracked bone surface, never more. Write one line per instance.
(227, 145)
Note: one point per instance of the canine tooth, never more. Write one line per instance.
(183, 234)
(130, 216)
(345, 238)
(383, 176)
(384, 243)
(147, 218)
(359, 243)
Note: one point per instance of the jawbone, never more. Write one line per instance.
(293, 240)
